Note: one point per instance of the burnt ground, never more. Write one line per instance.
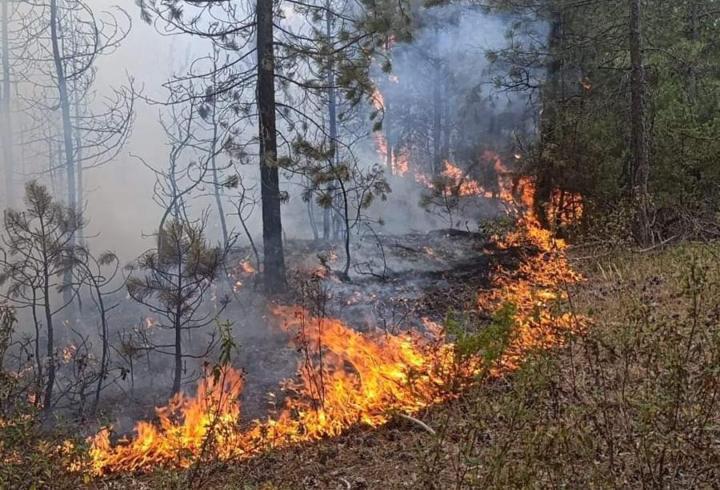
(397, 281)
(422, 276)
(396, 284)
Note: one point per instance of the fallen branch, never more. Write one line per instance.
(419, 423)
(664, 242)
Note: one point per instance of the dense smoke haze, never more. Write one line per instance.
(441, 107)
(120, 210)
(438, 109)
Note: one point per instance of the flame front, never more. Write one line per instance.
(346, 377)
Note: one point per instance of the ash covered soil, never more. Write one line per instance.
(397, 283)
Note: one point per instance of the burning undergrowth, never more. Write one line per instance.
(347, 377)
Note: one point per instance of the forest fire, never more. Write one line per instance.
(398, 161)
(346, 378)
(388, 374)
(214, 409)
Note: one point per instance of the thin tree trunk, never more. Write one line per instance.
(437, 125)
(47, 307)
(274, 258)
(216, 184)
(64, 100)
(105, 348)
(332, 119)
(387, 128)
(78, 147)
(213, 163)
(47, 403)
(177, 380)
(6, 125)
(641, 163)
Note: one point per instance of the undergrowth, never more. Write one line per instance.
(633, 402)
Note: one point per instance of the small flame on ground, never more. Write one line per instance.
(361, 379)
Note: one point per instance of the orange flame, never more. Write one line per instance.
(215, 408)
(346, 377)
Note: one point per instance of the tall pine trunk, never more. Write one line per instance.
(64, 103)
(274, 259)
(639, 143)
(332, 120)
(67, 131)
(6, 122)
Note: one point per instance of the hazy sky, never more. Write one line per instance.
(119, 194)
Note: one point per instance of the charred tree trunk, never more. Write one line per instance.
(177, 378)
(553, 94)
(387, 127)
(67, 132)
(274, 259)
(6, 123)
(332, 122)
(639, 144)
(437, 124)
(47, 310)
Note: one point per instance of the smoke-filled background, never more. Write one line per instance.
(437, 108)
(445, 65)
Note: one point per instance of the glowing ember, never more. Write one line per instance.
(247, 268)
(150, 322)
(68, 353)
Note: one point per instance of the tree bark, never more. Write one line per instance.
(64, 101)
(641, 163)
(274, 259)
(332, 120)
(6, 123)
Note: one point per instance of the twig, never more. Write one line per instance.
(664, 242)
(419, 423)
